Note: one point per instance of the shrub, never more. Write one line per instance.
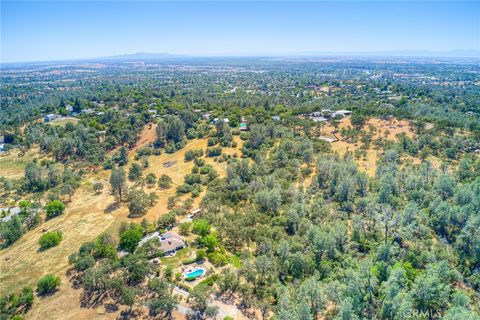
(214, 152)
(196, 189)
(200, 255)
(199, 162)
(98, 187)
(192, 178)
(50, 239)
(193, 154)
(209, 281)
(48, 284)
(145, 151)
(11, 305)
(189, 261)
(205, 169)
(54, 208)
(244, 136)
(184, 188)
(217, 259)
(211, 142)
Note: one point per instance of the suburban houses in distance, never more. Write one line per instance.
(326, 114)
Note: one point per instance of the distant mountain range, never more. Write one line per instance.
(393, 53)
(141, 56)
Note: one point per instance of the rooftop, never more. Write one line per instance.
(169, 241)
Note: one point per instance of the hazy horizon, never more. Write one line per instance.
(453, 54)
(54, 31)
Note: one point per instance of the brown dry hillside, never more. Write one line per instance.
(84, 219)
(22, 263)
(147, 136)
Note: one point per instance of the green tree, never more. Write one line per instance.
(48, 284)
(199, 298)
(172, 129)
(130, 238)
(210, 241)
(77, 106)
(50, 239)
(118, 183)
(185, 228)
(128, 298)
(164, 182)
(163, 302)
(201, 227)
(445, 185)
(122, 156)
(135, 172)
(138, 203)
(268, 200)
(358, 120)
(54, 208)
(11, 231)
(151, 179)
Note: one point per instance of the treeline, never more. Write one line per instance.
(350, 246)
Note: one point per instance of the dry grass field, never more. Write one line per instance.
(13, 163)
(178, 170)
(63, 121)
(384, 129)
(84, 219)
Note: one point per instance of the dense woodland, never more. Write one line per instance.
(294, 230)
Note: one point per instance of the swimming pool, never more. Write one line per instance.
(194, 274)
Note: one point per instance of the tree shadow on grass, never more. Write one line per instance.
(110, 307)
(46, 294)
(112, 207)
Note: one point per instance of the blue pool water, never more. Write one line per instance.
(195, 273)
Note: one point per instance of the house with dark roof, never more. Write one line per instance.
(170, 242)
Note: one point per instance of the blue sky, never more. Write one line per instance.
(37, 31)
